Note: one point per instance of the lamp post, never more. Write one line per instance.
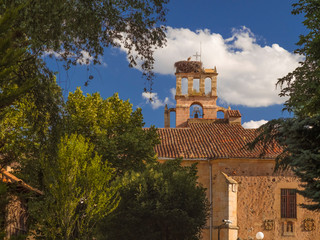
(225, 222)
(259, 235)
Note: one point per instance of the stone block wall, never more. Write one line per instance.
(259, 209)
(208, 105)
(255, 206)
(259, 200)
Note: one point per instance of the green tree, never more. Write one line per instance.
(302, 86)
(31, 118)
(27, 125)
(29, 29)
(299, 135)
(78, 191)
(72, 27)
(27, 116)
(12, 54)
(21, 70)
(164, 202)
(113, 127)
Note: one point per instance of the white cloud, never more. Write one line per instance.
(254, 124)
(173, 93)
(247, 71)
(153, 99)
(54, 54)
(85, 59)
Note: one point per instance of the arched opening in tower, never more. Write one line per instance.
(220, 114)
(196, 85)
(207, 86)
(172, 119)
(184, 86)
(196, 111)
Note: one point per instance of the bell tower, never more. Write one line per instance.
(195, 86)
(196, 96)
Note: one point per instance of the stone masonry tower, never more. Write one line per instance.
(197, 87)
(200, 88)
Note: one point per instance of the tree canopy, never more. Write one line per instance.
(78, 191)
(303, 84)
(105, 133)
(72, 28)
(164, 202)
(74, 150)
(299, 135)
(113, 127)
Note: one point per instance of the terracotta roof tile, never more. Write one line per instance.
(234, 113)
(210, 140)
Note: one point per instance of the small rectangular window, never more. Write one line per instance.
(288, 203)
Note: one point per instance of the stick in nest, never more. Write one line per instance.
(188, 66)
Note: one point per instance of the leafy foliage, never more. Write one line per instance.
(163, 202)
(78, 191)
(109, 127)
(13, 54)
(33, 118)
(28, 124)
(72, 27)
(113, 127)
(27, 116)
(106, 128)
(303, 84)
(21, 71)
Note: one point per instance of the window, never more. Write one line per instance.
(207, 84)
(288, 203)
(196, 85)
(288, 228)
(196, 111)
(184, 86)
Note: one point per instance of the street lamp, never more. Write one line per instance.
(225, 222)
(259, 235)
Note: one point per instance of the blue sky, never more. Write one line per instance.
(251, 42)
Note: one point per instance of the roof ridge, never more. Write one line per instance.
(210, 140)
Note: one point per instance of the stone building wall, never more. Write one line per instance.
(258, 200)
(259, 209)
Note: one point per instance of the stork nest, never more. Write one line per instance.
(188, 66)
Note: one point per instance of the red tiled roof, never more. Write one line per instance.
(234, 113)
(7, 177)
(210, 140)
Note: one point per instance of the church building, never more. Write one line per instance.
(245, 194)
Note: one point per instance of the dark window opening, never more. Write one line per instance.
(289, 227)
(288, 203)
